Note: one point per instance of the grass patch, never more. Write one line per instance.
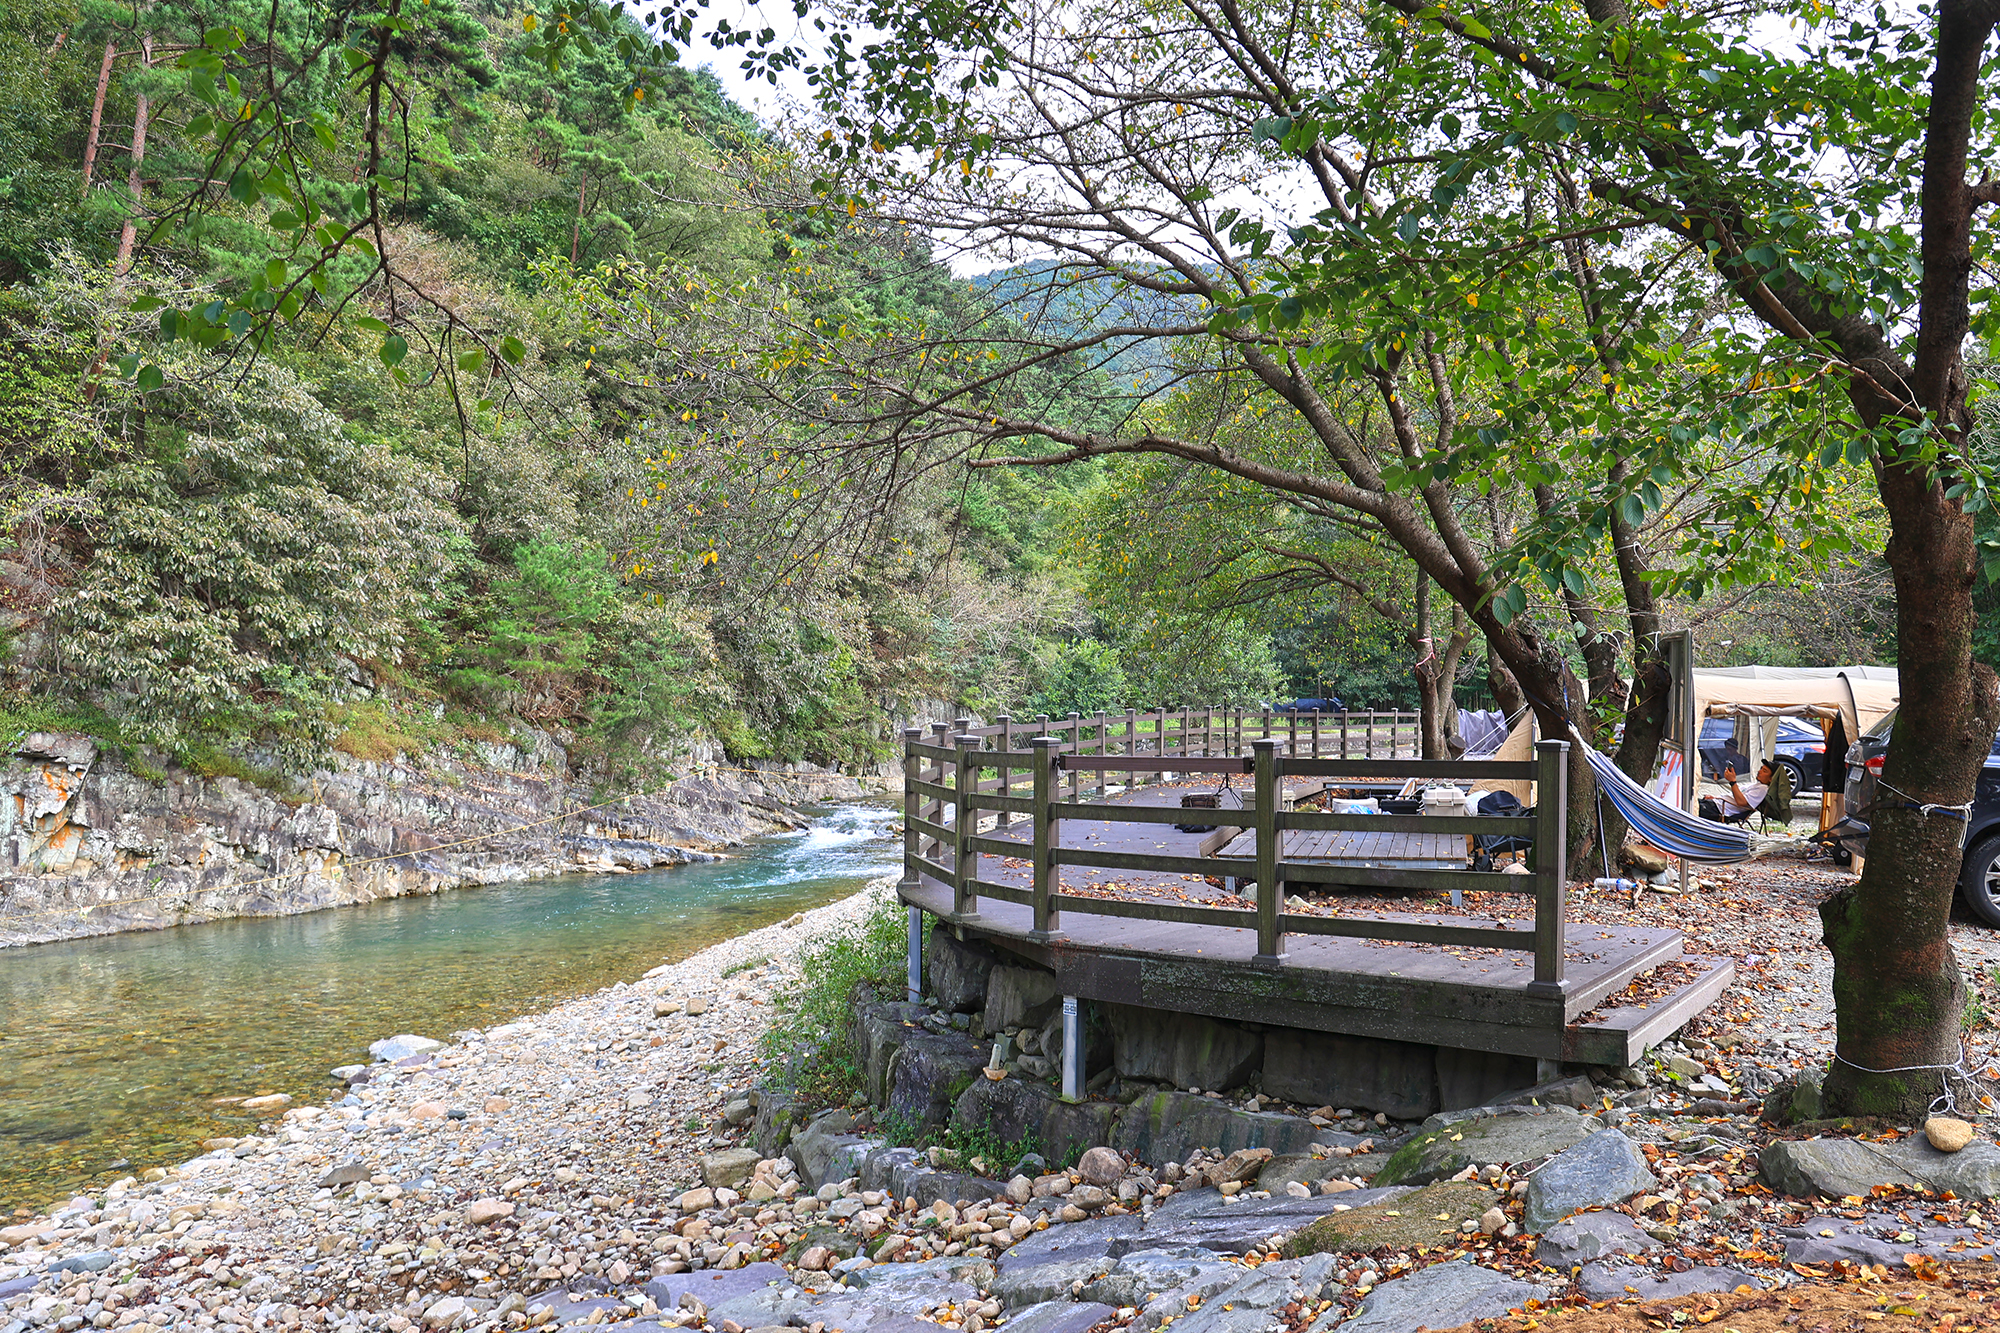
(978, 1150)
(811, 1052)
(372, 731)
(737, 969)
(22, 713)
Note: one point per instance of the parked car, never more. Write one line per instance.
(1801, 749)
(1979, 873)
(1309, 705)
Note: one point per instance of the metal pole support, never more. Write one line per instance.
(914, 984)
(1073, 1052)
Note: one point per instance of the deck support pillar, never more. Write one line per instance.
(1073, 1052)
(914, 982)
(1270, 893)
(1047, 836)
(1551, 868)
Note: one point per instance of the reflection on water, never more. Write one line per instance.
(112, 1049)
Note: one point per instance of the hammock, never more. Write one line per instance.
(1668, 827)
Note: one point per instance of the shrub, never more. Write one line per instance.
(812, 1049)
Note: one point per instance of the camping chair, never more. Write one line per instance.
(1777, 802)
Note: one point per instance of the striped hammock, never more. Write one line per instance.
(1668, 827)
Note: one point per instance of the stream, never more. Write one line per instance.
(114, 1049)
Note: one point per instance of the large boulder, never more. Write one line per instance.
(1588, 1237)
(1397, 1078)
(1840, 1167)
(1500, 1140)
(1167, 1126)
(928, 1073)
(1205, 1219)
(1007, 1111)
(777, 1116)
(1254, 1302)
(956, 971)
(1068, 1129)
(1617, 1280)
(879, 1032)
(1020, 997)
(1441, 1296)
(1185, 1050)
(1604, 1169)
(827, 1150)
(1428, 1217)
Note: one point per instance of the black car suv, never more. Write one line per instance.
(1979, 876)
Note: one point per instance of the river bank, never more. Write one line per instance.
(91, 844)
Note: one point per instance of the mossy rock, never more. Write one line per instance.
(1429, 1217)
(833, 1238)
(1494, 1140)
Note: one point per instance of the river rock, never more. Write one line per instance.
(1591, 1236)
(729, 1168)
(1144, 1274)
(445, 1312)
(1241, 1165)
(1618, 1280)
(1103, 1166)
(402, 1047)
(1491, 1140)
(1442, 1296)
(95, 1262)
(1605, 1168)
(1320, 1069)
(1836, 1167)
(713, 1286)
(1168, 1126)
(957, 971)
(481, 1212)
(273, 1101)
(1946, 1133)
(777, 1114)
(347, 1173)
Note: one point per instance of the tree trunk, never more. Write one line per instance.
(1454, 653)
(1430, 723)
(1898, 993)
(129, 234)
(97, 115)
(1507, 696)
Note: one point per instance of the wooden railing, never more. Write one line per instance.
(946, 798)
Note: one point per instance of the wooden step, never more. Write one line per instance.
(1625, 1032)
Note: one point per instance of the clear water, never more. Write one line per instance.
(112, 1050)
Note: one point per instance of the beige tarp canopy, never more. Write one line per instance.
(1860, 694)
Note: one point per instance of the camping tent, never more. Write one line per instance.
(1862, 695)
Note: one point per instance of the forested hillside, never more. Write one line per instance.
(559, 441)
(246, 559)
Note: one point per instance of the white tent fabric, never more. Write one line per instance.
(1863, 695)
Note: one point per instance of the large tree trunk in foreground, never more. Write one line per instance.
(1898, 993)
(128, 235)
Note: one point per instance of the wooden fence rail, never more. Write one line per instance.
(946, 794)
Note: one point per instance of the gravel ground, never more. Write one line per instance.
(536, 1173)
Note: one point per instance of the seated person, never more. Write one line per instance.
(1742, 799)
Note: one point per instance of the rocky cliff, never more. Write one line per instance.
(88, 846)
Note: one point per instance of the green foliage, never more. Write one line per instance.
(811, 1052)
(974, 1148)
(1084, 676)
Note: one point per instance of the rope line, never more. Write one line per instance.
(1945, 1100)
(1962, 813)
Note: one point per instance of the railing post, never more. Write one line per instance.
(1103, 729)
(1315, 733)
(1208, 731)
(1160, 740)
(1001, 818)
(940, 735)
(1371, 733)
(1267, 724)
(1270, 894)
(1343, 733)
(1076, 747)
(965, 823)
(913, 805)
(1131, 745)
(1292, 732)
(1047, 837)
(1551, 866)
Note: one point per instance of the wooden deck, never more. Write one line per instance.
(1474, 999)
(1133, 910)
(1395, 851)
